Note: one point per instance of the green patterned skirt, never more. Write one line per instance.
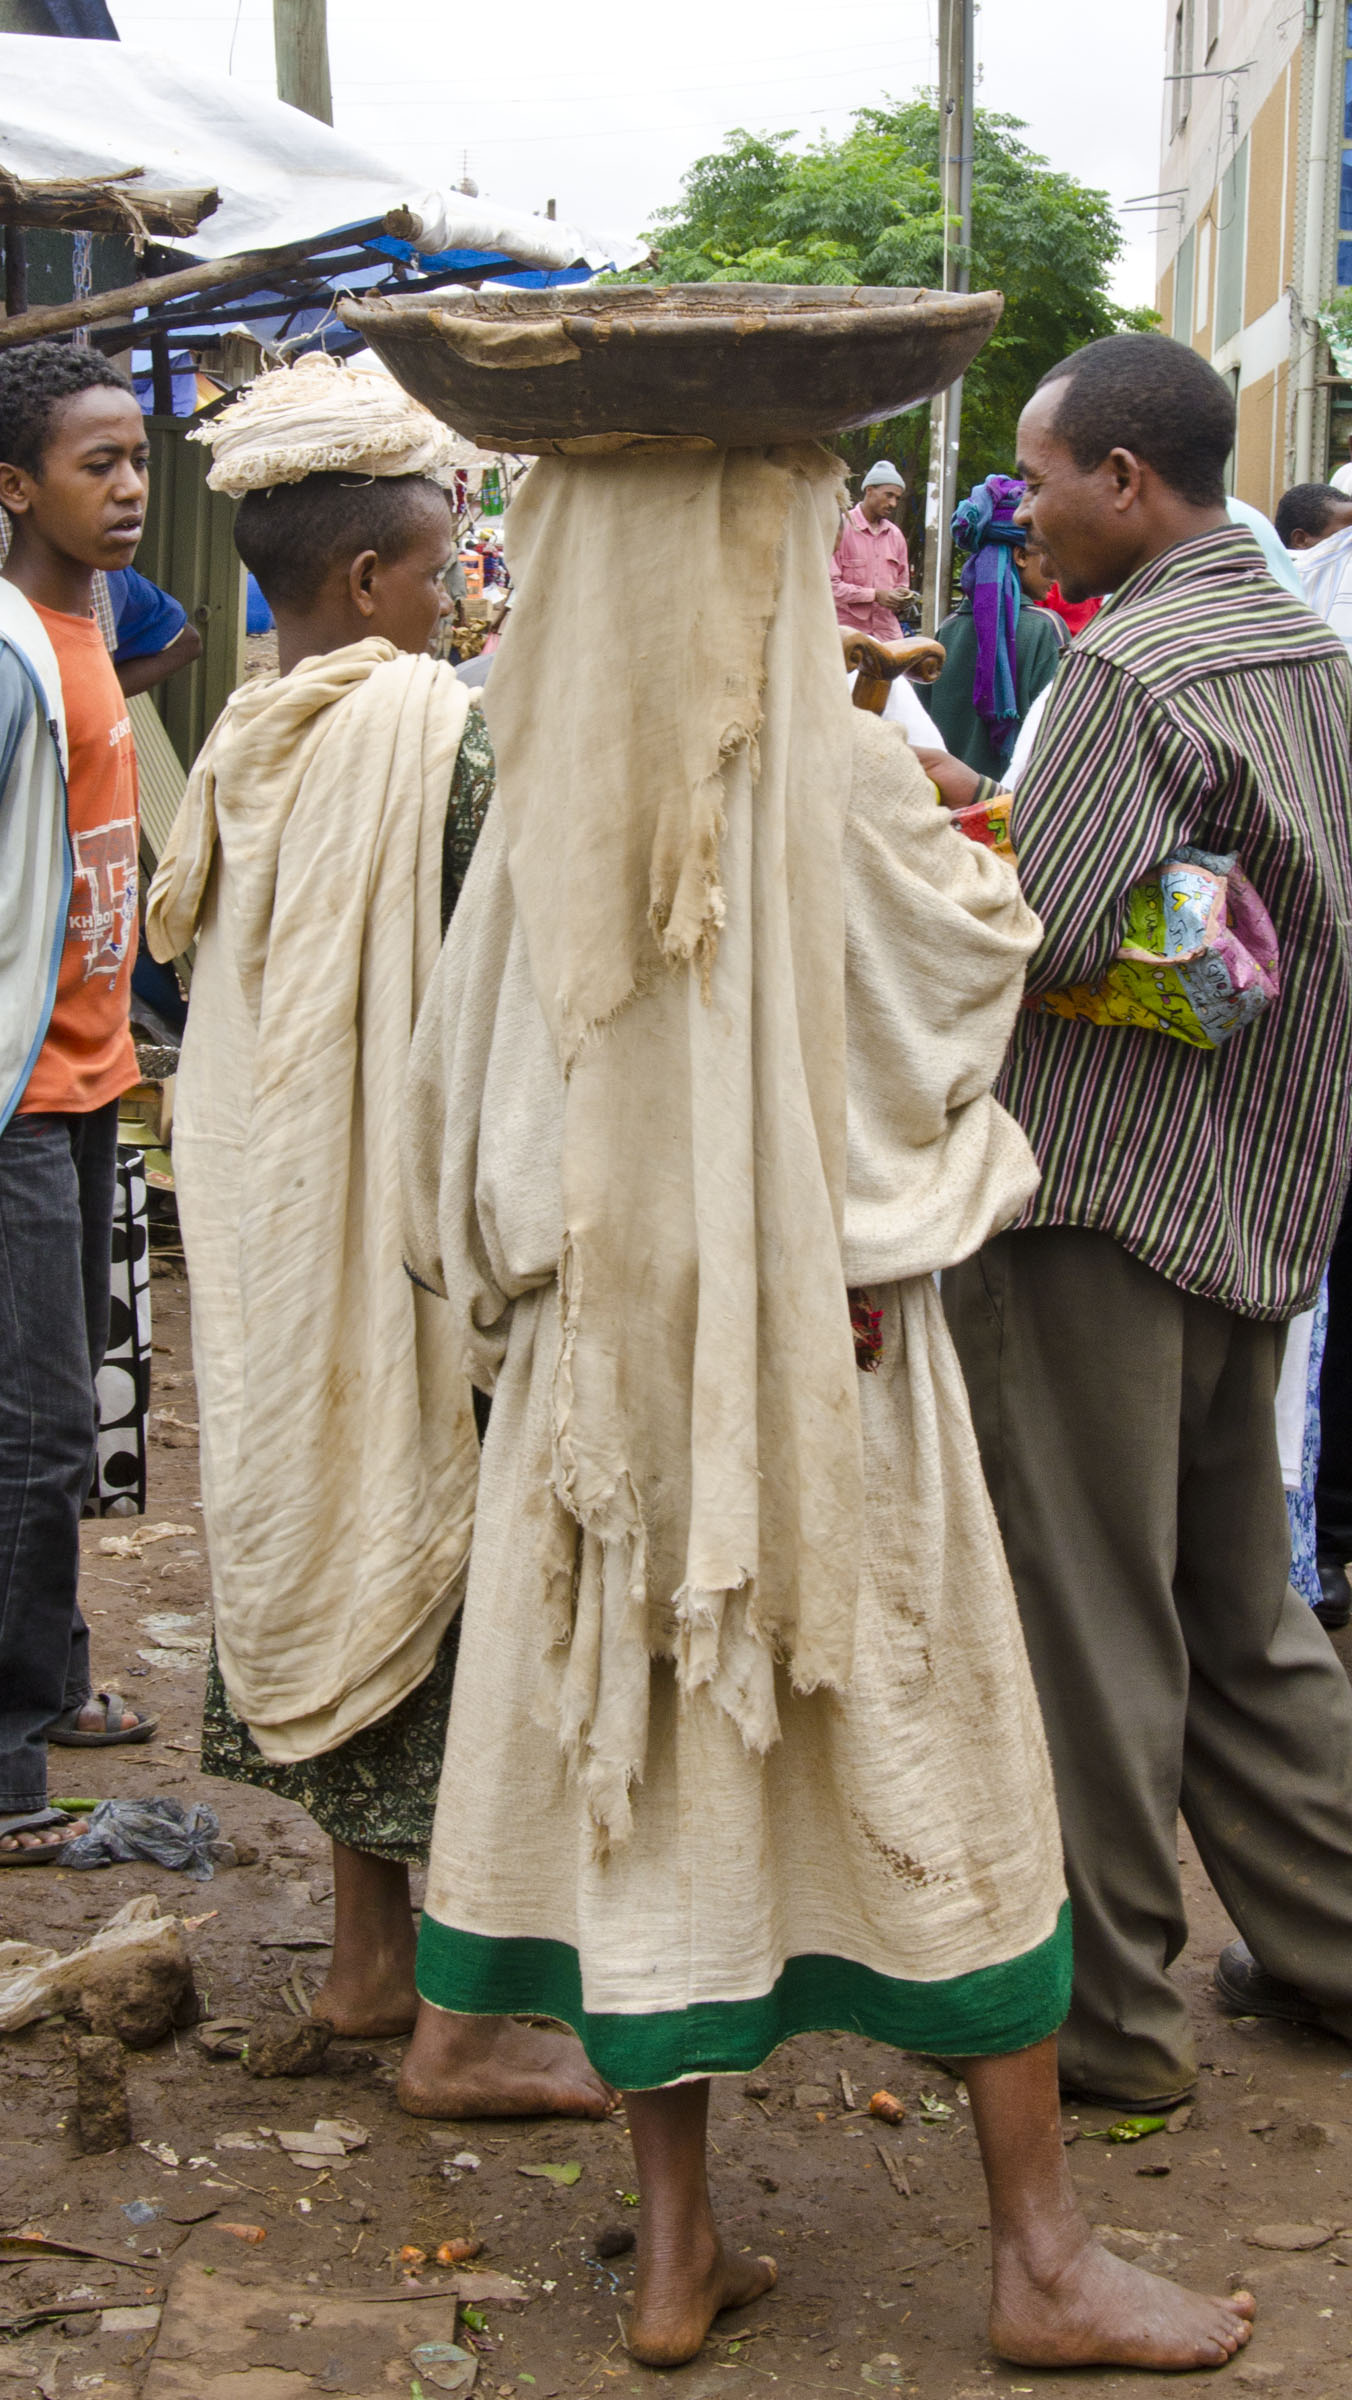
(377, 1792)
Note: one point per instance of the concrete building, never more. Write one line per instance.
(1256, 220)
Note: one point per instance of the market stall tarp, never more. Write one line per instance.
(99, 108)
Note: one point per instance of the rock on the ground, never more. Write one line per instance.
(288, 2045)
(101, 2110)
(137, 1995)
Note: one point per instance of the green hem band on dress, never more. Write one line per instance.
(981, 2015)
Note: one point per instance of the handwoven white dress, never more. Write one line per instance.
(890, 1864)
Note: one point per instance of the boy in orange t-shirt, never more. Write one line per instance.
(73, 486)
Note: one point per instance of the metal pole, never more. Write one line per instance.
(956, 121)
(1311, 284)
(301, 42)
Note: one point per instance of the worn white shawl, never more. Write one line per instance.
(338, 1449)
(932, 954)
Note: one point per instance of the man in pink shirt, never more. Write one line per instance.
(870, 572)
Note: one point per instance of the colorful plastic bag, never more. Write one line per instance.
(1198, 959)
(1199, 952)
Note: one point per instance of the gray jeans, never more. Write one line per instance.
(57, 1181)
(1128, 1435)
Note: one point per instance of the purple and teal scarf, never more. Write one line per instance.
(983, 526)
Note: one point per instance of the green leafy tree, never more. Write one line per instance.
(868, 210)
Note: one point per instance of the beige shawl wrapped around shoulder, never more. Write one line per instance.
(672, 732)
(338, 1450)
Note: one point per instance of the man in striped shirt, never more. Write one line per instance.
(1122, 1342)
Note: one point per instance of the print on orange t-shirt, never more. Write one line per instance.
(88, 1057)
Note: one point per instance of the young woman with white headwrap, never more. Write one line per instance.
(699, 1101)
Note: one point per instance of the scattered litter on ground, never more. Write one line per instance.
(139, 2212)
(467, 2160)
(223, 2335)
(933, 2109)
(224, 2037)
(1128, 2129)
(895, 2171)
(244, 2233)
(555, 2174)
(887, 2106)
(161, 2151)
(460, 2247)
(41, 2245)
(327, 2145)
(446, 2366)
(135, 1545)
(160, 1831)
(177, 1642)
(847, 2088)
(135, 1970)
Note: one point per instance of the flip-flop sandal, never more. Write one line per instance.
(41, 1820)
(120, 1724)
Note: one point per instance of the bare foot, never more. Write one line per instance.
(1089, 2309)
(379, 2002)
(369, 1988)
(680, 2289)
(493, 2067)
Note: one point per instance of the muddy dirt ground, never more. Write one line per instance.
(878, 2232)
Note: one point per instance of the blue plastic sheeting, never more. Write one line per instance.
(474, 262)
(258, 616)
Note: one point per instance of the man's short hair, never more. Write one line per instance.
(1154, 397)
(291, 537)
(36, 379)
(1307, 508)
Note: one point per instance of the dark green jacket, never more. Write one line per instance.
(1038, 645)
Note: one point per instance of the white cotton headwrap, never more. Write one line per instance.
(320, 417)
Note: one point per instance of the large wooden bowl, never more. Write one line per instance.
(733, 365)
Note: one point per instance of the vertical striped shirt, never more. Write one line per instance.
(1202, 705)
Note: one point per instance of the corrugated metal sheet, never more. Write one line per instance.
(160, 772)
(187, 548)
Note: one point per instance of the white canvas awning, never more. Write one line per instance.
(99, 108)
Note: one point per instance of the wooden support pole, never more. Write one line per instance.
(104, 204)
(957, 45)
(247, 269)
(301, 42)
(161, 376)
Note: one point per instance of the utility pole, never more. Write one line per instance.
(957, 47)
(300, 40)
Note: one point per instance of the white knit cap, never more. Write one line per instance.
(320, 417)
(883, 471)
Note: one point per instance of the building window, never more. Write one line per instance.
(1213, 28)
(1183, 288)
(1234, 198)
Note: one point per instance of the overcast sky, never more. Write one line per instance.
(601, 108)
